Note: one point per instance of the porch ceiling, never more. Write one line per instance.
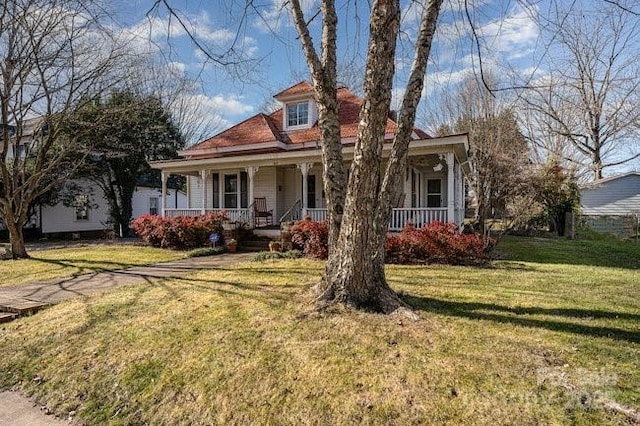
(459, 144)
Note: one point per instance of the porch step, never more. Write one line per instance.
(255, 245)
(7, 316)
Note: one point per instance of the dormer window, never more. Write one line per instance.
(298, 114)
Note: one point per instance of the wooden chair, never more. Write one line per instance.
(260, 212)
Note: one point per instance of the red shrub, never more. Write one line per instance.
(312, 238)
(437, 242)
(179, 232)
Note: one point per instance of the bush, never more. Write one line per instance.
(312, 238)
(272, 255)
(181, 232)
(206, 251)
(437, 242)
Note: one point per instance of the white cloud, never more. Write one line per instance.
(515, 31)
(224, 105)
(276, 15)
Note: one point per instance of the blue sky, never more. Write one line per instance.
(269, 41)
(511, 45)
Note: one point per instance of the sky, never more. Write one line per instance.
(266, 55)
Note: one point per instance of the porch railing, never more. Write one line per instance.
(235, 215)
(317, 214)
(419, 216)
(294, 213)
(416, 215)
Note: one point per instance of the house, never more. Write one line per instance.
(88, 213)
(612, 205)
(276, 160)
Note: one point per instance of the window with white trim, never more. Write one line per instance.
(154, 205)
(298, 114)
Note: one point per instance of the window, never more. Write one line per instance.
(154, 204)
(244, 192)
(434, 193)
(231, 191)
(311, 191)
(215, 183)
(298, 114)
(81, 203)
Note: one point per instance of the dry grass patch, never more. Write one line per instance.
(517, 343)
(66, 262)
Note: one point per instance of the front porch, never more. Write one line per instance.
(291, 185)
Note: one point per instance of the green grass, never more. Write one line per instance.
(66, 262)
(523, 341)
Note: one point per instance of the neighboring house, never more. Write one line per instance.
(89, 212)
(612, 204)
(277, 158)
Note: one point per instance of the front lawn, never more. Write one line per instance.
(66, 262)
(521, 342)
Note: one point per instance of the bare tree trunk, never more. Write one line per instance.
(16, 236)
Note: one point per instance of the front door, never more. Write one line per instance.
(434, 193)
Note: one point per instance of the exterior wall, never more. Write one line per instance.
(264, 186)
(60, 218)
(194, 191)
(291, 188)
(142, 204)
(619, 197)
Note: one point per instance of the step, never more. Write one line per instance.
(21, 306)
(7, 316)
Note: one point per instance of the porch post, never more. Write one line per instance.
(450, 186)
(460, 197)
(163, 188)
(304, 169)
(251, 171)
(203, 179)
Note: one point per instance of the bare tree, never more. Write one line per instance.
(359, 212)
(48, 63)
(589, 98)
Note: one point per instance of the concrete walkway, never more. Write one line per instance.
(16, 410)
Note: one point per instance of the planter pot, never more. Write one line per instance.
(275, 246)
(232, 247)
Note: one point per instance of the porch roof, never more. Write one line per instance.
(311, 153)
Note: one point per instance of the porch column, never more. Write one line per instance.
(460, 197)
(304, 169)
(450, 158)
(163, 187)
(203, 179)
(251, 171)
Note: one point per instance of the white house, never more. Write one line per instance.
(90, 213)
(612, 204)
(275, 159)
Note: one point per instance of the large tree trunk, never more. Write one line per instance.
(16, 237)
(354, 273)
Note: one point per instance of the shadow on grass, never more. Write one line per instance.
(507, 315)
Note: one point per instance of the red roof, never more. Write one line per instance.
(268, 129)
(297, 89)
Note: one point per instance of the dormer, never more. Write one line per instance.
(299, 109)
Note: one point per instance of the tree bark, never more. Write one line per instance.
(16, 237)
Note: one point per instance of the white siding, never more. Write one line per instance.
(264, 186)
(195, 192)
(141, 200)
(617, 197)
(60, 218)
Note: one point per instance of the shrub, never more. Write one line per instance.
(312, 238)
(181, 232)
(272, 255)
(206, 251)
(437, 242)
